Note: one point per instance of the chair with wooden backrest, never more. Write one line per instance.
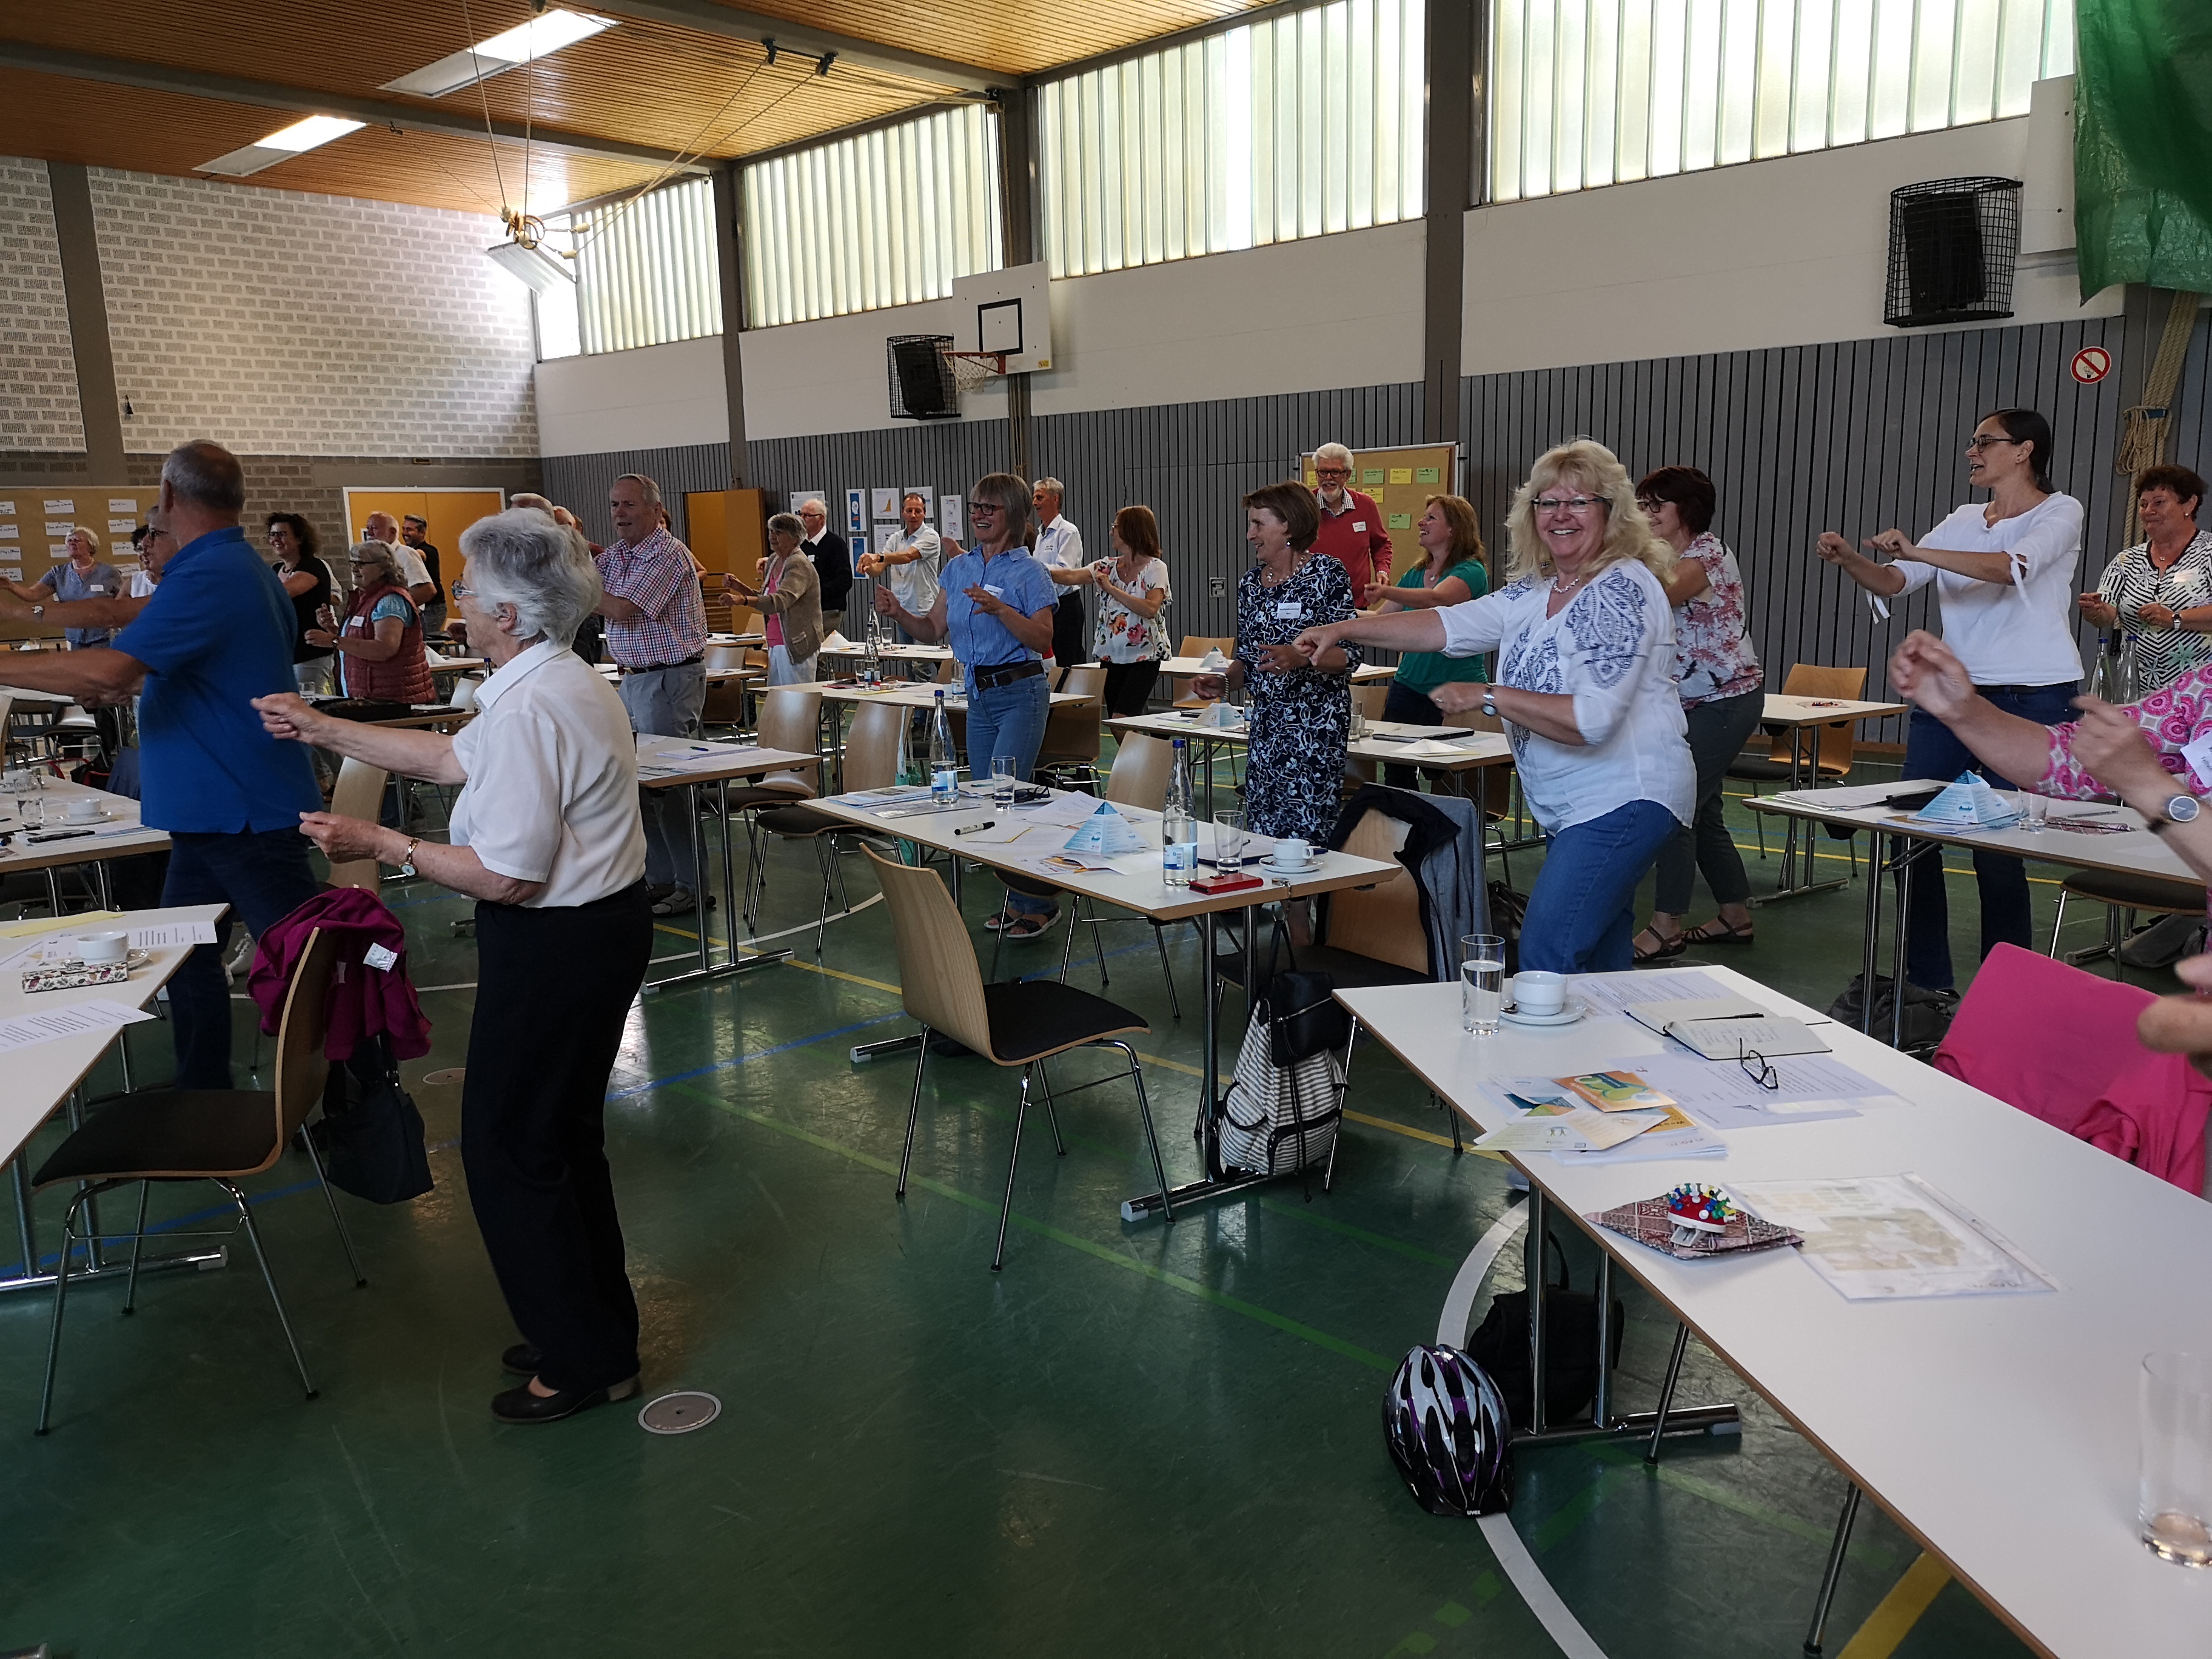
(1142, 766)
(221, 1135)
(790, 719)
(1024, 1024)
(871, 754)
(1789, 747)
(725, 704)
(1070, 729)
(1197, 645)
(359, 790)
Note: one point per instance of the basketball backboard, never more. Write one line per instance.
(1007, 310)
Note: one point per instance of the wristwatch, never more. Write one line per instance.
(2180, 809)
(1490, 703)
(38, 610)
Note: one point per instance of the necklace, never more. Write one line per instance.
(1565, 587)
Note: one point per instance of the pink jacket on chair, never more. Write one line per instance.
(366, 1001)
(2060, 1044)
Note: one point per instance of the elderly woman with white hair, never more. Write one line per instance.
(789, 600)
(82, 575)
(547, 839)
(1585, 686)
(380, 655)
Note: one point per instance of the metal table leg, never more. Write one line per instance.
(1791, 883)
(738, 961)
(1830, 1578)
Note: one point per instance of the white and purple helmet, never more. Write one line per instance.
(1449, 1433)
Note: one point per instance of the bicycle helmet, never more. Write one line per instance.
(1446, 1425)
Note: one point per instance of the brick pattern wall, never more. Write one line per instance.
(39, 409)
(284, 324)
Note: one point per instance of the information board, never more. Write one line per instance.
(1401, 481)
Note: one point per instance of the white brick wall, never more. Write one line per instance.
(281, 324)
(39, 412)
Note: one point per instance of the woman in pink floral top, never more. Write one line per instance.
(1129, 636)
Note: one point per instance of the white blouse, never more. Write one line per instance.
(2015, 633)
(552, 794)
(1611, 648)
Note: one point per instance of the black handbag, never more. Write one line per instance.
(1500, 1346)
(371, 1135)
(1304, 1017)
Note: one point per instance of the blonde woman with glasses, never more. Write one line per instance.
(1585, 638)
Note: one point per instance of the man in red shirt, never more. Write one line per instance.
(1352, 530)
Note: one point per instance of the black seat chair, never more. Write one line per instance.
(221, 1135)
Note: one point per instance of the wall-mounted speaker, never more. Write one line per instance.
(922, 386)
(1953, 246)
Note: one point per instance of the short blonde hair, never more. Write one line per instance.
(87, 532)
(1589, 466)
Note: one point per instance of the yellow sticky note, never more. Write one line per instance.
(1313, 480)
(1428, 475)
(1402, 521)
(1401, 475)
(1372, 475)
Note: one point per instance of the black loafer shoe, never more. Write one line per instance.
(521, 1405)
(523, 1359)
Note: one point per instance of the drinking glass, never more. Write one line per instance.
(2174, 1509)
(1481, 982)
(2034, 813)
(31, 812)
(1002, 781)
(1358, 724)
(1229, 843)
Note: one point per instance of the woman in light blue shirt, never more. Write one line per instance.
(82, 577)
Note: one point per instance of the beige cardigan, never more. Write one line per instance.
(796, 598)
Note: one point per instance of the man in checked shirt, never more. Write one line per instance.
(656, 635)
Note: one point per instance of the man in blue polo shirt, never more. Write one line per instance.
(216, 633)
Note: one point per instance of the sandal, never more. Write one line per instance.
(1029, 926)
(1664, 949)
(1718, 931)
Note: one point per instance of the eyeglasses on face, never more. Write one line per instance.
(1575, 504)
(1983, 441)
(1332, 472)
(986, 507)
(460, 590)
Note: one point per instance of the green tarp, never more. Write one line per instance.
(2142, 144)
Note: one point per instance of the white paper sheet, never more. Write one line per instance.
(1069, 811)
(73, 1019)
(1882, 1236)
(1610, 993)
(171, 933)
(1722, 1094)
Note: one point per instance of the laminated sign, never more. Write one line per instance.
(1969, 803)
(1107, 832)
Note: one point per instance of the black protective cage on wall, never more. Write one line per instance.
(1953, 245)
(922, 384)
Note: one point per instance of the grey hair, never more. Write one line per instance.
(650, 490)
(817, 503)
(87, 532)
(521, 558)
(207, 475)
(524, 498)
(1336, 454)
(1052, 486)
(787, 523)
(377, 553)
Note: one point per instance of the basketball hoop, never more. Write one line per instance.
(971, 369)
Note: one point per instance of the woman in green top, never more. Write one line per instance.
(1453, 573)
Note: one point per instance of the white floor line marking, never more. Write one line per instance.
(1498, 1531)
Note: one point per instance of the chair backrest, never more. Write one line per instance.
(871, 746)
(301, 1068)
(1197, 645)
(1085, 680)
(1070, 729)
(1383, 921)
(358, 794)
(722, 657)
(1142, 766)
(1370, 699)
(941, 983)
(947, 670)
(1839, 740)
(791, 719)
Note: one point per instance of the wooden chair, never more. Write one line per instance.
(1788, 747)
(359, 790)
(1070, 748)
(871, 754)
(221, 1135)
(1022, 1025)
(1197, 645)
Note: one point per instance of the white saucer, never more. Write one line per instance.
(64, 823)
(1573, 1010)
(1305, 869)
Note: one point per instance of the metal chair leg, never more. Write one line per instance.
(1051, 1109)
(913, 1108)
(1328, 1174)
(1145, 1111)
(322, 1176)
(61, 1297)
(1667, 1392)
(1835, 1572)
(137, 1242)
(2059, 925)
(1013, 1162)
(267, 1278)
(1160, 943)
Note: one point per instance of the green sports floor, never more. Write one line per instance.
(1153, 1439)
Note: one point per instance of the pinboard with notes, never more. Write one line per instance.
(1401, 481)
(35, 524)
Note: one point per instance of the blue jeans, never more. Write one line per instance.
(1582, 914)
(1009, 719)
(1931, 751)
(263, 877)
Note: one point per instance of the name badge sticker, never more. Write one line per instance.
(1295, 608)
(2199, 756)
(1359, 526)
(994, 590)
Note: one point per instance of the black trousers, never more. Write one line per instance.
(1070, 642)
(1130, 686)
(554, 989)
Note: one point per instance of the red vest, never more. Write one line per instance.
(404, 677)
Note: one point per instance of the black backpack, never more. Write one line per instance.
(1927, 1014)
(1500, 1346)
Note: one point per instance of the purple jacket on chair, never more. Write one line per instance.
(365, 1001)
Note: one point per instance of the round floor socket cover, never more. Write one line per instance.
(451, 1074)
(679, 1413)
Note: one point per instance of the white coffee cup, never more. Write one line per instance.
(1292, 854)
(1539, 992)
(98, 950)
(83, 809)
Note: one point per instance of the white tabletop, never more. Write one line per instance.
(2000, 1431)
(33, 1081)
(1386, 740)
(890, 652)
(1783, 710)
(912, 694)
(704, 761)
(2138, 852)
(118, 833)
(1183, 668)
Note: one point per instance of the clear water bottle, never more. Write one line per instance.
(2105, 678)
(871, 662)
(2127, 672)
(1178, 824)
(944, 758)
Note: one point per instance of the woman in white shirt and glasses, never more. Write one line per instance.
(2003, 572)
(546, 838)
(1585, 637)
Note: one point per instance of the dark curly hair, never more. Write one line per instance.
(2184, 481)
(1691, 491)
(302, 533)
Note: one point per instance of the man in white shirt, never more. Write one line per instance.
(909, 560)
(383, 527)
(1059, 550)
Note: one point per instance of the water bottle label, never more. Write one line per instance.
(1179, 855)
(944, 782)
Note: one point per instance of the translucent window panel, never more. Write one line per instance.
(1584, 93)
(646, 271)
(885, 218)
(1304, 125)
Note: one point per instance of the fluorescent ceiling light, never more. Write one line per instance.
(541, 37)
(540, 267)
(281, 146)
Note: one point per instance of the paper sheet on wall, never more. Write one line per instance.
(75, 1019)
(1883, 1237)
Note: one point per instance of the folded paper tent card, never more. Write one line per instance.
(1106, 832)
(1969, 803)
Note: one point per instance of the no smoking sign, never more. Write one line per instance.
(2091, 364)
